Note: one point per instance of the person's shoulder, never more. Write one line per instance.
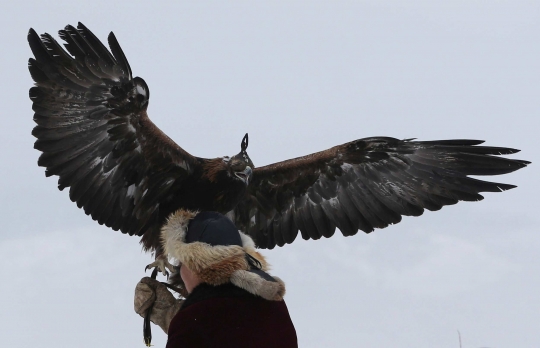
(207, 308)
(225, 302)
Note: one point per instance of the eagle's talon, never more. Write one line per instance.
(162, 264)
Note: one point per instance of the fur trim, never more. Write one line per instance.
(249, 247)
(251, 282)
(173, 232)
(218, 264)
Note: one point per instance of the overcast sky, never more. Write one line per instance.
(299, 77)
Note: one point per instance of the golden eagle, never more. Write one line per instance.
(95, 135)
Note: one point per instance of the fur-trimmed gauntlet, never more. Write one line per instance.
(150, 291)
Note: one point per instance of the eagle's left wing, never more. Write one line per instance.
(96, 136)
(365, 184)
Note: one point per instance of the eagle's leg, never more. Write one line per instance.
(162, 264)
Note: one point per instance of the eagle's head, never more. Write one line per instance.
(240, 165)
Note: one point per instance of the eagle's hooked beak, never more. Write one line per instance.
(244, 175)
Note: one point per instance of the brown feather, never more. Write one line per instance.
(212, 168)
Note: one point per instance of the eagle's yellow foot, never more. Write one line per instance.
(162, 264)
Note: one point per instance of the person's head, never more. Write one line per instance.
(213, 229)
(211, 250)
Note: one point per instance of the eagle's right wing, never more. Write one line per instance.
(94, 132)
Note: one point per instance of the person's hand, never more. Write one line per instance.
(150, 291)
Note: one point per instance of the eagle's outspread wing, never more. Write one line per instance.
(94, 132)
(365, 184)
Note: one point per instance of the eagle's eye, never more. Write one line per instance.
(237, 165)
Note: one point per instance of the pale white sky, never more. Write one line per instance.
(299, 77)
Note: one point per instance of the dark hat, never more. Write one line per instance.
(212, 228)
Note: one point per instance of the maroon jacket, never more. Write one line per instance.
(228, 316)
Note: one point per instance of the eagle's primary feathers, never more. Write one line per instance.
(95, 135)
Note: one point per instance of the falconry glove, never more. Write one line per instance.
(150, 292)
